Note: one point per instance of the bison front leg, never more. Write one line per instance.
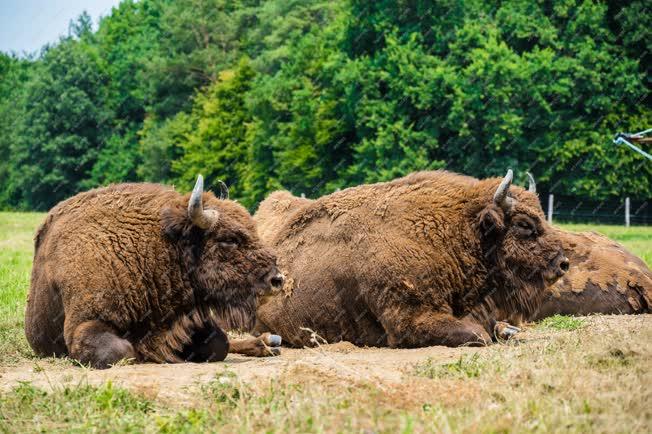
(426, 328)
(208, 345)
(96, 343)
(504, 331)
(264, 345)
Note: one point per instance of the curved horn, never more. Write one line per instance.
(532, 186)
(198, 216)
(224, 190)
(500, 197)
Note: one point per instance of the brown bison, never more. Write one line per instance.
(140, 271)
(603, 278)
(422, 260)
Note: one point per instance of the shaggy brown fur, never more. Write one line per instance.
(122, 272)
(405, 263)
(603, 278)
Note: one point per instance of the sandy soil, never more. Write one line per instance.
(340, 362)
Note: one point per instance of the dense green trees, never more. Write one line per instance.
(62, 124)
(13, 75)
(214, 144)
(313, 95)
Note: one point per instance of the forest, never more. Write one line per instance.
(316, 95)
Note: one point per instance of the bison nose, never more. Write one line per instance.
(275, 279)
(564, 264)
(561, 265)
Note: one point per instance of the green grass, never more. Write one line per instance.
(16, 234)
(467, 366)
(561, 322)
(225, 404)
(80, 408)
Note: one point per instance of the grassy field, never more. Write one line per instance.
(16, 233)
(567, 374)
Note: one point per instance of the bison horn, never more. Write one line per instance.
(224, 190)
(198, 216)
(500, 197)
(532, 186)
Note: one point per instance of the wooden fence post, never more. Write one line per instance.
(550, 204)
(627, 212)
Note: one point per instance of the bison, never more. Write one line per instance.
(421, 260)
(603, 278)
(140, 271)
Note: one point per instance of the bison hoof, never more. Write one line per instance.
(265, 345)
(274, 340)
(271, 344)
(504, 331)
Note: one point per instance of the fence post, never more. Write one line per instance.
(627, 212)
(550, 204)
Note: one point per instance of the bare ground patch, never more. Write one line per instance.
(595, 377)
(335, 364)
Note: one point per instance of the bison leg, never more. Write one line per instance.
(262, 346)
(96, 343)
(504, 331)
(433, 328)
(44, 318)
(208, 345)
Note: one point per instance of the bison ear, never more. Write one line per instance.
(174, 221)
(491, 220)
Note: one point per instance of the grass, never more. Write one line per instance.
(575, 383)
(588, 378)
(467, 366)
(16, 233)
(79, 408)
(562, 322)
(582, 382)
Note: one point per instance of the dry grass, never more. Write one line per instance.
(592, 379)
(595, 379)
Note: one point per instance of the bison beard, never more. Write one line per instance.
(432, 258)
(140, 271)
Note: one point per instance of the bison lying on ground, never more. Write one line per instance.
(603, 278)
(141, 271)
(408, 263)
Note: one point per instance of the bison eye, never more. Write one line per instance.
(525, 228)
(228, 244)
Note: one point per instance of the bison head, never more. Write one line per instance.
(223, 260)
(524, 252)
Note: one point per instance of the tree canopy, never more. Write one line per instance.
(315, 95)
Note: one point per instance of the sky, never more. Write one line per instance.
(26, 25)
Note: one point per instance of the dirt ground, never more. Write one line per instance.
(340, 362)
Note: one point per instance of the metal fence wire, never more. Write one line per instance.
(569, 209)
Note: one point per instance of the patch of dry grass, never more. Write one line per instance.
(590, 380)
(593, 379)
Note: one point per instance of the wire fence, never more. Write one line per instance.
(611, 211)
